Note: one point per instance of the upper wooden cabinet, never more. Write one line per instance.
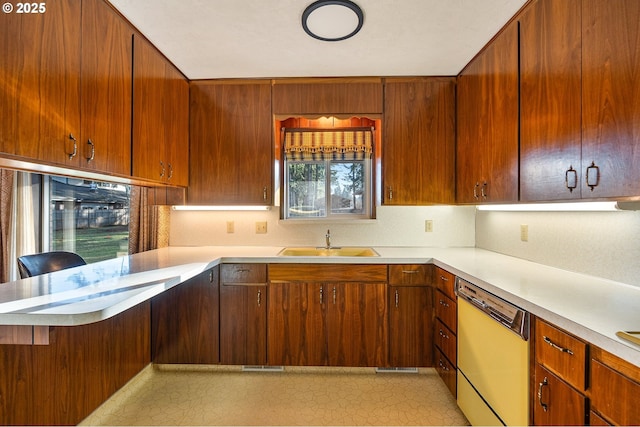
(327, 96)
(487, 123)
(160, 117)
(68, 94)
(610, 98)
(419, 136)
(550, 101)
(231, 143)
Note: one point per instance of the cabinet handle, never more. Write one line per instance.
(556, 346)
(259, 297)
(483, 191)
(210, 276)
(571, 182)
(475, 191)
(321, 295)
(591, 183)
(444, 279)
(93, 150)
(442, 365)
(170, 171)
(443, 335)
(397, 298)
(161, 169)
(443, 303)
(545, 382)
(264, 194)
(334, 295)
(390, 192)
(410, 271)
(75, 146)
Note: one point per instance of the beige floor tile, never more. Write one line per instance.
(225, 395)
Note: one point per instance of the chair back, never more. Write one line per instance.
(47, 262)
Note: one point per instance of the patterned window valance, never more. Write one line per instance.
(333, 144)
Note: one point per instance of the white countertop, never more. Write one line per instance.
(589, 307)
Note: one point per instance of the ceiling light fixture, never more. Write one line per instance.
(332, 20)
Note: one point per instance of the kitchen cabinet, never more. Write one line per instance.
(185, 321)
(410, 316)
(70, 97)
(446, 328)
(327, 96)
(419, 136)
(610, 98)
(243, 314)
(333, 315)
(550, 101)
(231, 143)
(160, 118)
(560, 377)
(487, 123)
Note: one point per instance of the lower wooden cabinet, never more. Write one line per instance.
(184, 321)
(447, 371)
(327, 315)
(446, 327)
(557, 402)
(410, 326)
(243, 314)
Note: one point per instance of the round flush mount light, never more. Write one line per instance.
(332, 20)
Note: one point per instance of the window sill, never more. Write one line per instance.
(359, 221)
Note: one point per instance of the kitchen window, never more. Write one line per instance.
(328, 173)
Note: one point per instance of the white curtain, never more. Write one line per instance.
(22, 240)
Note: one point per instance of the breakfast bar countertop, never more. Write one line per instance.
(592, 308)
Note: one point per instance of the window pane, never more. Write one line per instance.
(306, 189)
(88, 217)
(347, 187)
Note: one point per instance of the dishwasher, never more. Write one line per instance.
(493, 358)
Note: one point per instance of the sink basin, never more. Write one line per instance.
(338, 251)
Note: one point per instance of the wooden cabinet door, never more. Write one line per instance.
(176, 151)
(296, 333)
(410, 326)
(556, 402)
(231, 148)
(419, 136)
(610, 98)
(40, 74)
(487, 145)
(356, 319)
(243, 324)
(107, 63)
(184, 321)
(550, 101)
(148, 111)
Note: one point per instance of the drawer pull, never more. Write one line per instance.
(259, 297)
(545, 382)
(443, 303)
(444, 279)
(242, 270)
(397, 298)
(556, 346)
(410, 271)
(442, 365)
(321, 295)
(443, 335)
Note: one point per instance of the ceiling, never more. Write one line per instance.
(208, 39)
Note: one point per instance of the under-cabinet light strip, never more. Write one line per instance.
(556, 207)
(219, 208)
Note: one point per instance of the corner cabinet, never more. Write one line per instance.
(327, 315)
(487, 123)
(160, 118)
(410, 316)
(231, 144)
(419, 136)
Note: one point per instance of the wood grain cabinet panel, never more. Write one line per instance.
(550, 101)
(231, 148)
(610, 98)
(615, 396)
(411, 326)
(410, 274)
(419, 136)
(487, 123)
(556, 402)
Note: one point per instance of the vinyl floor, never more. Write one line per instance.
(199, 395)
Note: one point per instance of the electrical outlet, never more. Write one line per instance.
(524, 232)
(230, 227)
(261, 227)
(428, 225)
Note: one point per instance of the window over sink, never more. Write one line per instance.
(327, 173)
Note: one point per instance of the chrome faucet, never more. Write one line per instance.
(328, 239)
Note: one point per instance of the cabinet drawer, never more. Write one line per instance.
(328, 273)
(614, 396)
(447, 372)
(446, 341)
(409, 274)
(561, 353)
(243, 273)
(445, 281)
(446, 310)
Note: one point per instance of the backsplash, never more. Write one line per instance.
(603, 244)
(394, 226)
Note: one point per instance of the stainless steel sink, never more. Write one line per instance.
(337, 251)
